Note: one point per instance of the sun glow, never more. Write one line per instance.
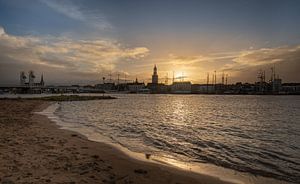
(180, 75)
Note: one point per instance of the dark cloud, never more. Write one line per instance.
(286, 61)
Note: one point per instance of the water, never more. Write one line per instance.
(254, 134)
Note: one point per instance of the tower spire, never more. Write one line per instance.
(155, 76)
(42, 80)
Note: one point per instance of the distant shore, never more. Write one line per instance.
(60, 98)
(33, 149)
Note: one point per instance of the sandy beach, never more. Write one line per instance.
(34, 150)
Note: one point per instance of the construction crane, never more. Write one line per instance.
(215, 77)
(22, 78)
(207, 78)
(223, 77)
(273, 74)
(226, 79)
(110, 76)
(167, 79)
(31, 77)
(262, 78)
(181, 78)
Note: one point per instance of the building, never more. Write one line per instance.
(107, 86)
(156, 87)
(276, 85)
(181, 87)
(203, 88)
(291, 88)
(137, 87)
(154, 75)
(153, 86)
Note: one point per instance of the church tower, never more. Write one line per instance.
(154, 76)
(42, 83)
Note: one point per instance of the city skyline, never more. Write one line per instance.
(77, 42)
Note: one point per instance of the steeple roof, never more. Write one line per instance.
(42, 79)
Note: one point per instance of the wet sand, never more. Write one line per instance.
(34, 150)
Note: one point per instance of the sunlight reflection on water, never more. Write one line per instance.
(256, 134)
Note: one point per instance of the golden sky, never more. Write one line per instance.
(79, 42)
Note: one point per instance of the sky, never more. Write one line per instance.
(81, 41)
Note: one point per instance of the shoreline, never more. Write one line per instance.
(34, 149)
(224, 174)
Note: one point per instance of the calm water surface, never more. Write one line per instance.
(255, 134)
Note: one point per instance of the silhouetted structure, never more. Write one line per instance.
(156, 87)
(261, 87)
(137, 87)
(181, 87)
(31, 78)
(155, 76)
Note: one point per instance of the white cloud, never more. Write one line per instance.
(65, 54)
(264, 56)
(240, 65)
(73, 11)
(75, 60)
(65, 7)
(246, 64)
(2, 32)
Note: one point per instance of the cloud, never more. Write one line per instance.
(246, 64)
(264, 56)
(65, 7)
(74, 11)
(241, 65)
(68, 60)
(65, 55)
(2, 32)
